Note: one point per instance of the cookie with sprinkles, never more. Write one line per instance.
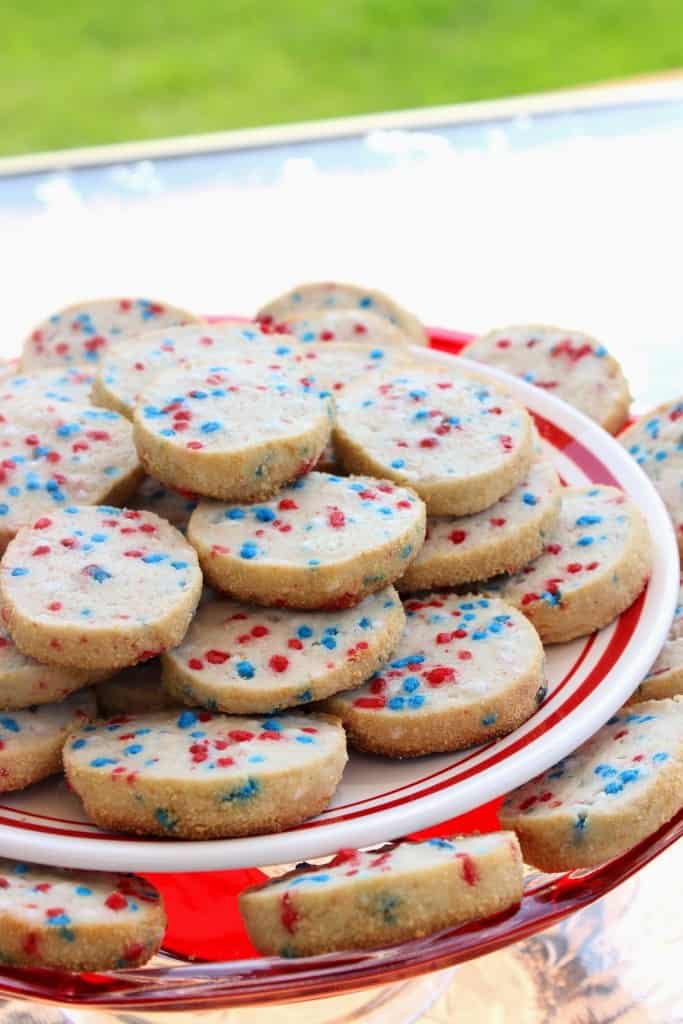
(198, 775)
(343, 325)
(333, 296)
(53, 454)
(98, 588)
(616, 789)
(459, 442)
(85, 331)
(366, 898)
(568, 364)
(665, 678)
(175, 506)
(324, 542)
(656, 443)
(207, 431)
(332, 367)
(467, 670)
(595, 563)
(24, 682)
(31, 740)
(245, 660)
(57, 384)
(134, 690)
(502, 538)
(77, 920)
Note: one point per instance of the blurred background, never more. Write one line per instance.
(75, 74)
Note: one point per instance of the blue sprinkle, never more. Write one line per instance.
(264, 515)
(210, 427)
(304, 632)
(153, 559)
(134, 748)
(529, 499)
(19, 572)
(78, 744)
(234, 513)
(248, 550)
(398, 464)
(588, 520)
(660, 757)
(246, 791)
(186, 719)
(100, 762)
(245, 670)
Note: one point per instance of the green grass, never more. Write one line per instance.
(74, 73)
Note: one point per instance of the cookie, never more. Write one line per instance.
(656, 443)
(366, 898)
(616, 789)
(204, 431)
(460, 443)
(84, 332)
(502, 538)
(196, 775)
(246, 660)
(134, 690)
(467, 670)
(77, 920)
(331, 296)
(57, 384)
(52, 455)
(98, 588)
(25, 682)
(595, 563)
(324, 542)
(568, 364)
(175, 506)
(31, 740)
(343, 325)
(129, 367)
(332, 367)
(665, 678)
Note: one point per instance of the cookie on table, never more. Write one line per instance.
(56, 384)
(197, 775)
(332, 296)
(343, 325)
(24, 682)
(245, 660)
(31, 740)
(568, 364)
(98, 588)
(366, 898)
(665, 678)
(616, 789)
(134, 690)
(656, 443)
(207, 431)
(129, 367)
(77, 920)
(324, 542)
(459, 442)
(85, 331)
(53, 454)
(502, 538)
(467, 670)
(175, 506)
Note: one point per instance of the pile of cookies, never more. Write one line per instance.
(207, 529)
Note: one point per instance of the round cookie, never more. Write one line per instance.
(31, 740)
(83, 332)
(24, 682)
(596, 562)
(205, 431)
(366, 898)
(175, 506)
(656, 443)
(502, 538)
(253, 660)
(57, 384)
(344, 325)
(324, 542)
(332, 367)
(468, 669)
(52, 455)
(196, 775)
(98, 588)
(460, 443)
(129, 367)
(569, 364)
(618, 788)
(77, 920)
(134, 690)
(330, 296)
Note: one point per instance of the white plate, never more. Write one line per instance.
(381, 799)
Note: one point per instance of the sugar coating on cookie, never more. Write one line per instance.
(77, 920)
(129, 367)
(324, 542)
(343, 325)
(616, 789)
(85, 331)
(461, 443)
(656, 443)
(175, 506)
(53, 454)
(25, 682)
(134, 690)
(194, 774)
(208, 431)
(242, 659)
(98, 588)
(467, 669)
(332, 296)
(31, 740)
(502, 538)
(58, 384)
(568, 364)
(366, 898)
(595, 563)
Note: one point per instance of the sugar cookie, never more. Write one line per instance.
(58, 384)
(343, 325)
(665, 678)
(332, 367)
(24, 682)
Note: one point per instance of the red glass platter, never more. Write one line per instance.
(378, 800)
